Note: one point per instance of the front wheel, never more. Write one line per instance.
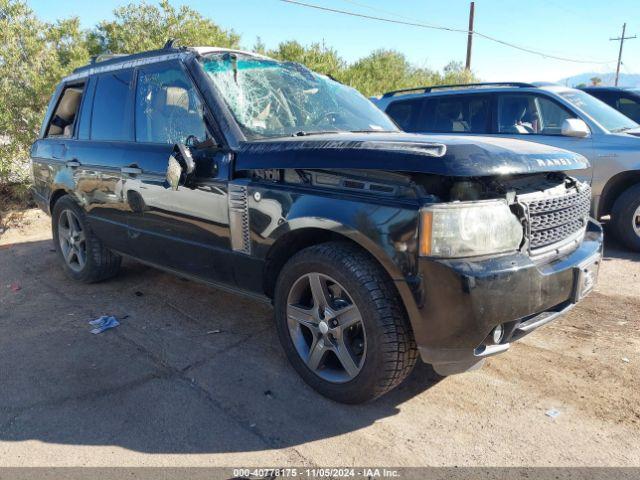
(626, 218)
(341, 323)
(82, 254)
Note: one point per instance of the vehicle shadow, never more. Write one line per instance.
(191, 369)
(614, 249)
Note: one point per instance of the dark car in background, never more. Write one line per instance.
(624, 99)
(548, 114)
(267, 179)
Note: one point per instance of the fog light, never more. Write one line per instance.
(497, 334)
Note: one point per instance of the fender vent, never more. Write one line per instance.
(239, 218)
(334, 181)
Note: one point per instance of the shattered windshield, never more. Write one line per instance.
(274, 99)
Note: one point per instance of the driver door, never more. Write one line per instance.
(186, 230)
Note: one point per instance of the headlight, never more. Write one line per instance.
(466, 229)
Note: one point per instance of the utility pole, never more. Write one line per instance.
(621, 39)
(472, 9)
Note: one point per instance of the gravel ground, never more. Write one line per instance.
(195, 377)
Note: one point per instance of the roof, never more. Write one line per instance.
(208, 50)
(410, 93)
(607, 88)
(105, 63)
(431, 88)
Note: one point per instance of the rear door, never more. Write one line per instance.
(52, 168)
(185, 230)
(469, 114)
(406, 113)
(105, 132)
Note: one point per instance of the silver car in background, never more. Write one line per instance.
(544, 113)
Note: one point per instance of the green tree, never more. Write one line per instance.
(33, 57)
(379, 72)
(385, 70)
(595, 81)
(317, 57)
(139, 27)
(259, 47)
(455, 73)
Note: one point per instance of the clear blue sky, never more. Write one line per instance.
(571, 28)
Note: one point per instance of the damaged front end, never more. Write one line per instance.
(480, 259)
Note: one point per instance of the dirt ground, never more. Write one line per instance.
(195, 376)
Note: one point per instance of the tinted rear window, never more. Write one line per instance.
(405, 113)
(111, 119)
(458, 114)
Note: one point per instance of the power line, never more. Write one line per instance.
(438, 27)
(393, 14)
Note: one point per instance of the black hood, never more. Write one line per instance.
(402, 152)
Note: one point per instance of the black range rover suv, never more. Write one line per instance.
(268, 179)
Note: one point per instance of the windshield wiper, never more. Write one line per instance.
(375, 131)
(622, 129)
(302, 133)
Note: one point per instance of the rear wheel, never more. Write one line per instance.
(626, 218)
(83, 255)
(341, 323)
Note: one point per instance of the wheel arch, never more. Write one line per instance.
(614, 188)
(55, 196)
(305, 233)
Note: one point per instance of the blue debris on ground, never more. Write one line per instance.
(103, 323)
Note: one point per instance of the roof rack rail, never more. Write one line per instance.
(103, 57)
(108, 58)
(461, 85)
(170, 44)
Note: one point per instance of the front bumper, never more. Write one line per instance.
(459, 302)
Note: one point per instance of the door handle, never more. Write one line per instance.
(131, 170)
(73, 163)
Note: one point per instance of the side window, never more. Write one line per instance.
(63, 120)
(168, 109)
(460, 114)
(530, 115)
(86, 107)
(630, 107)
(405, 113)
(111, 118)
(609, 98)
(551, 116)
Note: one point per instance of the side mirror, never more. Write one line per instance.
(574, 127)
(174, 173)
(180, 166)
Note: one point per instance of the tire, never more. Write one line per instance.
(626, 218)
(356, 292)
(83, 256)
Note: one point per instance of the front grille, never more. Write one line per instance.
(556, 218)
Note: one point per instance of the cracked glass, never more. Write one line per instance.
(269, 98)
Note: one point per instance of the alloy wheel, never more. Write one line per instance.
(72, 240)
(636, 221)
(326, 328)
